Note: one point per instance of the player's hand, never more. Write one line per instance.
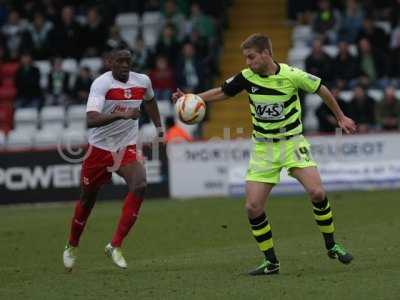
(175, 96)
(130, 114)
(160, 134)
(347, 124)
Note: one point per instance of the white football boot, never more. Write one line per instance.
(69, 256)
(116, 256)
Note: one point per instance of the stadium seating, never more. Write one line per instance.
(129, 24)
(26, 117)
(76, 117)
(6, 116)
(44, 67)
(313, 101)
(20, 138)
(93, 63)
(147, 133)
(2, 140)
(127, 20)
(151, 27)
(165, 108)
(46, 138)
(70, 65)
(129, 35)
(71, 137)
(52, 117)
(302, 35)
(9, 69)
(7, 91)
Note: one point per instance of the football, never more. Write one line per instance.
(190, 109)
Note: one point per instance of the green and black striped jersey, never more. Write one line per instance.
(274, 99)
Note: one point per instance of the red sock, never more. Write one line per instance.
(130, 211)
(78, 223)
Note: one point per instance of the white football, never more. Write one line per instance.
(190, 109)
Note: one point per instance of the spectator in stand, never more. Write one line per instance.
(36, 37)
(203, 23)
(326, 22)
(394, 14)
(13, 31)
(27, 83)
(372, 62)
(388, 110)
(82, 85)
(189, 70)
(208, 58)
(28, 8)
(106, 62)
(362, 110)
(374, 34)
(175, 133)
(3, 12)
(199, 42)
(115, 40)
(318, 62)
(394, 65)
(346, 67)
(168, 44)
(4, 57)
(152, 5)
(173, 16)
(326, 120)
(352, 19)
(163, 79)
(141, 55)
(65, 36)
(58, 84)
(93, 34)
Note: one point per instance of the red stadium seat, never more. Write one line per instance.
(8, 81)
(8, 70)
(7, 93)
(6, 116)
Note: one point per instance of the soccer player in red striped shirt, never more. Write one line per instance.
(112, 118)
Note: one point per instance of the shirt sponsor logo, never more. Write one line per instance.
(270, 111)
(127, 93)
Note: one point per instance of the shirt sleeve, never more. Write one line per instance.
(97, 96)
(305, 81)
(149, 90)
(234, 85)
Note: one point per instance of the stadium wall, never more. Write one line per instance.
(48, 176)
(356, 162)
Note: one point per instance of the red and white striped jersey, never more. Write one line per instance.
(108, 95)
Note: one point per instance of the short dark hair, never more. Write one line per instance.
(258, 41)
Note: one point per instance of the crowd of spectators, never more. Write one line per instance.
(372, 29)
(185, 52)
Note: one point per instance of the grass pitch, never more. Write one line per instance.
(201, 249)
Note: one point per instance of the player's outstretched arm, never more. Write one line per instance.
(344, 122)
(152, 110)
(97, 119)
(215, 94)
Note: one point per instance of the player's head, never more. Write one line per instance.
(121, 61)
(257, 50)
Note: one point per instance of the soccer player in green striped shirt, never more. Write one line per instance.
(273, 90)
